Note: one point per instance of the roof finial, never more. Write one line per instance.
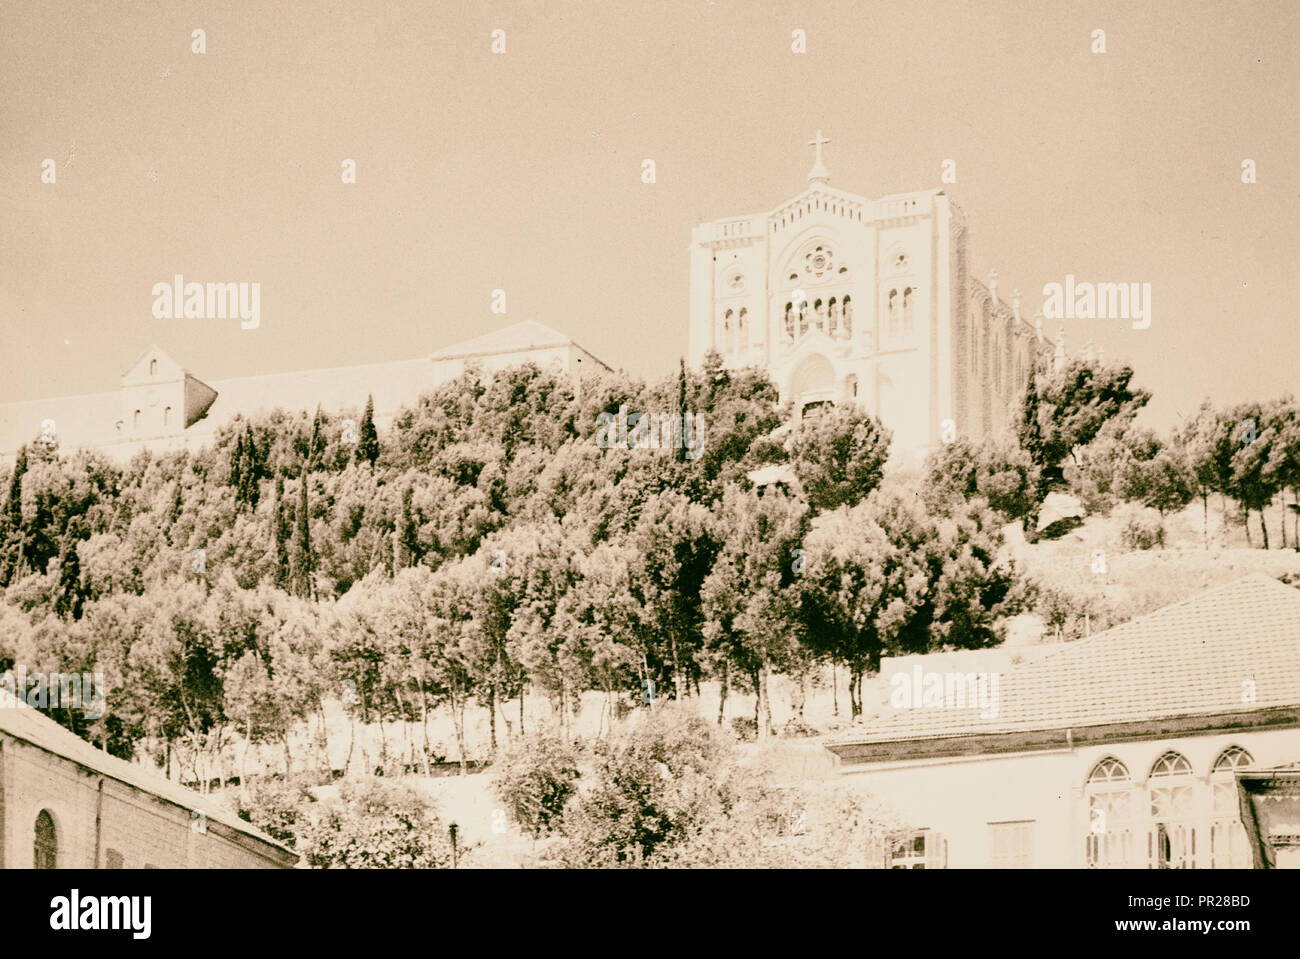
(818, 172)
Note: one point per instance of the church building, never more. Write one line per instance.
(843, 298)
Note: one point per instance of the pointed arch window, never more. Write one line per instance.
(1111, 813)
(1171, 840)
(1229, 844)
(167, 416)
(891, 309)
(153, 367)
(47, 842)
(909, 306)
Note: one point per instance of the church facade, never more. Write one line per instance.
(847, 299)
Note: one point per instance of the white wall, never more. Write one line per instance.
(959, 797)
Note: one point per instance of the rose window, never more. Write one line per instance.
(818, 262)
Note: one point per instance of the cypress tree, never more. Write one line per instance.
(68, 601)
(302, 543)
(368, 440)
(237, 464)
(1030, 434)
(317, 442)
(252, 470)
(11, 521)
(14, 502)
(406, 545)
(681, 408)
(282, 530)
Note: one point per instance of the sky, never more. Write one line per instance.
(522, 171)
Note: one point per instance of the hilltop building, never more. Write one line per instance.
(161, 406)
(847, 299)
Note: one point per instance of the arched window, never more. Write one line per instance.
(909, 302)
(892, 312)
(153, 367)
(847, 309)
(135, 420)
(789, 321)
(1229, 845)
(1171, 764)
(742, 328)
(1171, 840)
(728, 331)
(1111, 811)
(167, 416)
(47, 845)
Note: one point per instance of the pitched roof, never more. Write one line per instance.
(391, 384)
(1195, 657)
(525, 335)
(21, 721)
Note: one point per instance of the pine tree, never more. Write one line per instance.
(368, 440)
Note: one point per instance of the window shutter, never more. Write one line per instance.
(936, 850)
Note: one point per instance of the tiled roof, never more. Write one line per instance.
(1235, 648)
(28, 724)
(525, 335)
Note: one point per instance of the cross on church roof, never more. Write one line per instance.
(818, 172)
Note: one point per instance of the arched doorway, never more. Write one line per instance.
(813, 382)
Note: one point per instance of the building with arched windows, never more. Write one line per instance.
(1138, 747)
(160, 406)
(65, 804)
(845, 298)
